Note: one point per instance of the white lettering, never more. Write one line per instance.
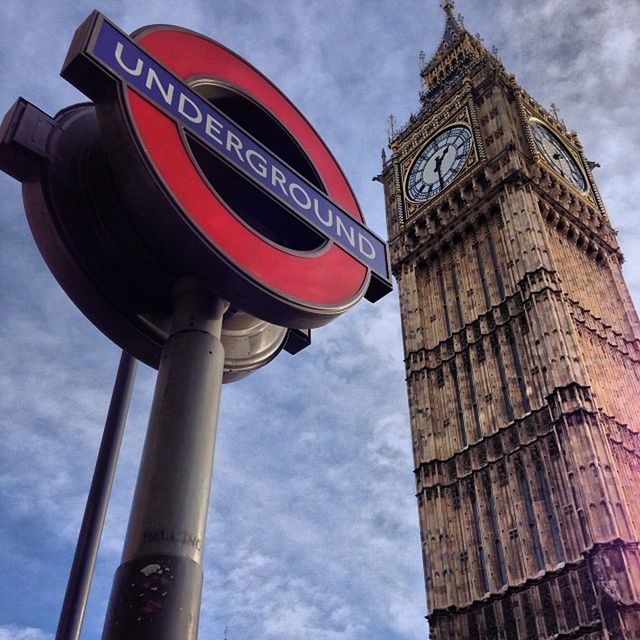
(167, 93)
(295, 187)
(213, 128)
(365, 246)
(196, 115)
(134, 72)
(329, 221)
(260, 167)
(277, 177)
(349, 233)
(233, 142)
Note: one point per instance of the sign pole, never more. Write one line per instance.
(84, 561)
(157, 588)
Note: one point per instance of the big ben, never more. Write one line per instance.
(522, 361)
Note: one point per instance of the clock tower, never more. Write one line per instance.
(522, 361)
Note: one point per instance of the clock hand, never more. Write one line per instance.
(439, 160)
(558, 156)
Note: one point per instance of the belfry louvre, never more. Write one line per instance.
(522, 361)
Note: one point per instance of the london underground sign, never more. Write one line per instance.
(145, 85)
(188, 162)
(115, 51)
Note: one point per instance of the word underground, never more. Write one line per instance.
(155, 83)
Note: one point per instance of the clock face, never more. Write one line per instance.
(557, 155)
(439, 162)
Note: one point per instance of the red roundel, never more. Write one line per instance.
(327, 279)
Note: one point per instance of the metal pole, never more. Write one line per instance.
(157, 588)
(84, 560)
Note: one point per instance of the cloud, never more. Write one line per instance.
(298, 485)
(11, 632)
(281, 604)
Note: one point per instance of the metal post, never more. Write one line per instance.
(84, 560)
(157, 588)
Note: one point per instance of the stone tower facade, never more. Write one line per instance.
(522, 362)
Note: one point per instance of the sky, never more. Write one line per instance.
(312, 528)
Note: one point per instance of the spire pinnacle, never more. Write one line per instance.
(453, 24)
(457, 52)
(448, 6)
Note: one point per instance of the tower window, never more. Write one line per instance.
(484, 581)
(548, 609)
(551, 517)
(491, 512)
(531, 518)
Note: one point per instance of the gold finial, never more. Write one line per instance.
(448, 6)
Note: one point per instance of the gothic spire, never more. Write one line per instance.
(457, 53)
(453, 27)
